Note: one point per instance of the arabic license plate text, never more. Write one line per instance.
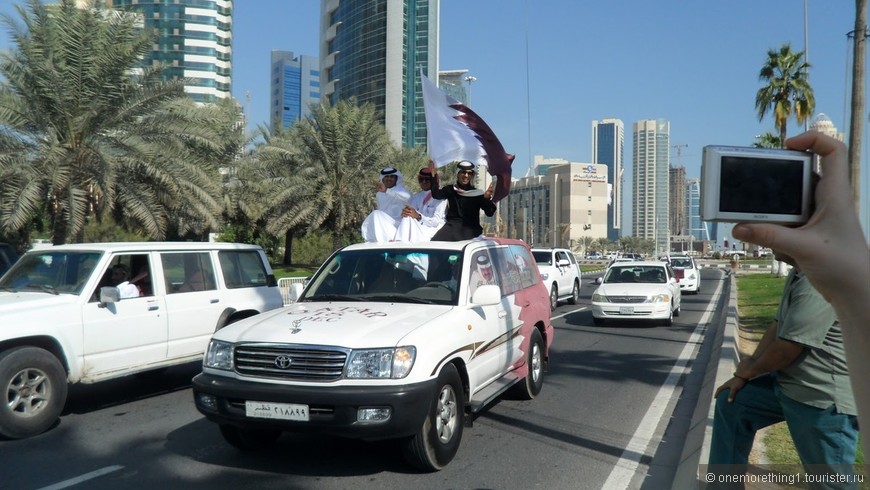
(626, 310)
(281, 411)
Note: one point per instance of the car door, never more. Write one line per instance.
(674, 286)
(194, 300)
(563, 278)
(124, 335)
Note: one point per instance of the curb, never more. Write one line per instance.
(722, 361)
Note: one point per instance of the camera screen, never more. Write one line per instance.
(760, 185)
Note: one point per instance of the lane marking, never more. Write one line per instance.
(584, 308)
(626, 468)
(83, 478)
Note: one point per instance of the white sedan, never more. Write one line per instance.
(637, 291)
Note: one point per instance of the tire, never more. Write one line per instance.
(554, 298)
(249, 439)
(678, 310)
(575, 293)
(667, 322)
(531, 385)
(35, 385)
(437, 441)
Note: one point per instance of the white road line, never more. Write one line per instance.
(569, 312)
(83, 478)
(626, 467)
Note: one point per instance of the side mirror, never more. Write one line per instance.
(486, 295)
(295, 292)
(564, 263)
(599, 280)
(109, 294)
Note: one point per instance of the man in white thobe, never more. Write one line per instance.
(423, 215)
(380, 225)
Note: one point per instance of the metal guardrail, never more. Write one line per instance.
(284, 286)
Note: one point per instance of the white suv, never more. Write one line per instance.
(66, 321)
(560, 273)
(687, 273)
(401, 341)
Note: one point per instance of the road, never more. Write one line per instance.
(599, 422)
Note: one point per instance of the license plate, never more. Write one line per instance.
(626, 310)
(281, 411)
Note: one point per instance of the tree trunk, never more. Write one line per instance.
(856, 122)
(288, 248)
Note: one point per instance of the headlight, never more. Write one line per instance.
(691, 275)
(544, 275)
(381, 363)
(659, 298)
(599, 298)
(219, 355)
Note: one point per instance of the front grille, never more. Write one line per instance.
(288, 361)
(626, 299)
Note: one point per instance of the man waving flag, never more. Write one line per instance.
(457, 133)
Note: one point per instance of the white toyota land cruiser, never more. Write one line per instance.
(63, 320)
(561, 274)
(387, 341)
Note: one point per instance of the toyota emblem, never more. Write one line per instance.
(283, 362)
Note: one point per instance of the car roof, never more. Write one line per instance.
(638, 263)
(146, 246)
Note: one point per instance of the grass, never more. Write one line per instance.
(757, 299)
(293, 271)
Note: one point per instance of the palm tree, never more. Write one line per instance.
(86, 133)
(767, 140)
(787, 88)
(330, 160)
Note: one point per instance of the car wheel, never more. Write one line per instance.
(667, 322)
(531, 385)
(249, 439)
(575, 294)
(35, 385)
(437, 441)
(678, 310)
(554, 298)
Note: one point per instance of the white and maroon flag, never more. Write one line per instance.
(457, 133)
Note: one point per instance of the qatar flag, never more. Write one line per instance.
(457, 133)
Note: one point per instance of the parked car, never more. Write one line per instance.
(65, 320)
(402, 341)
(687, 273)
(561, 274)
(594, 256)
(637, 291)
(8, 256)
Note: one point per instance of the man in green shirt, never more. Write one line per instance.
(797, 374)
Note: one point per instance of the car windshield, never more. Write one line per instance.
(682, 263)
(542, 257)
(653, 274)
(51, 272)
(397, 276)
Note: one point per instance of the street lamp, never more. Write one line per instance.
(469, 79)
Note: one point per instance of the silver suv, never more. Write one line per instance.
(90, 312)
(561, 274)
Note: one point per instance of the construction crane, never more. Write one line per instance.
(679, 149)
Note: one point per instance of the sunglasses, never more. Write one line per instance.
(466, 172)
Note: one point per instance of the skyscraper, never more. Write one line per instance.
(194, 42)
(651, 157)
(607, 149)
(374, 50)
(677, 205)
(295, 85)
(698, 229)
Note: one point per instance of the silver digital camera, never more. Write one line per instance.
(756, 184)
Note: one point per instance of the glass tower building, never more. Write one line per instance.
(607, 149)
(295, 85)
(193, 41)
(651, 156)
(374, 51)
(698, 229)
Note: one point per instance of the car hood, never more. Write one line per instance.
(631, 289)
(13, 302)
(345, 324)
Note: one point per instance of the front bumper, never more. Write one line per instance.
(632, 311)
(332, 409)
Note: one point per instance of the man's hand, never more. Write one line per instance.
(489, 191)
(379, 186)
(733, 385)
(409, 212)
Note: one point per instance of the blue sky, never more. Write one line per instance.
(546, 69)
